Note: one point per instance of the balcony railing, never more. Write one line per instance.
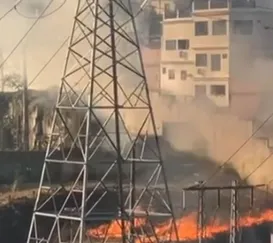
(185, 11)
(243, 4)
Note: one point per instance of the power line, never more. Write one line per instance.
(44, 16)
(49, 61)
(259, 166)
(58, 50)
(25, 35)
(10, 10)
(236, 152)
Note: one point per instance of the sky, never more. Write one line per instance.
(43, 41)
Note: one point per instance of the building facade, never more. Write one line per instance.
(210, 48)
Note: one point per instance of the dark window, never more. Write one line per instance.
(219, 27)
(218, 3)
(171, 74)
(201, 28)
(218, 90)
(168, 12)
(164, 70)
(183, 75)
(170, 45)
(183, 44)
(216, 62)
(201, 60)
(243, 27)
(243, 3)
(184, 8)
(201, 4)
(200, 90)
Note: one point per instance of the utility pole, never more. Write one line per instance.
(2, 71)
(234, 213)
(25, 125)
(2, 90)
(201, 216)
(200, 188)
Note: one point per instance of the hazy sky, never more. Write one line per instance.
(44, 39)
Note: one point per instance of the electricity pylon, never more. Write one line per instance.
(104, 139)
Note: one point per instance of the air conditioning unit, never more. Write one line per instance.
(183, 54)
(201, 71)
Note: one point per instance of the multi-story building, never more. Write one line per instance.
(211, 48)
(151, 61)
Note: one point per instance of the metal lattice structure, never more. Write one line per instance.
(103, 139)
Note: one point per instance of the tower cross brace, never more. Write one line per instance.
(103, 142)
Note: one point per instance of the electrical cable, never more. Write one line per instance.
(218, 169)
(25, 35)
(58, 50)
(253, 134)
(258, 167)
(49, 61)
(240, 147)
(42, 17)
(10, 10)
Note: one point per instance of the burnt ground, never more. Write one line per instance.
(16, 215)
(183, 169)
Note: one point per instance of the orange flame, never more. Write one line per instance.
(186, 228)
(113, 230)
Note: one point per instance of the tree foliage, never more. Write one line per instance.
(13, 81)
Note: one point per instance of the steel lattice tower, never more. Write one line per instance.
(103, 139)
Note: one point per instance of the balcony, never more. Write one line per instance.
(210, 4)
(178, 9)
(186, 9)
(222, 4)
(243, 4)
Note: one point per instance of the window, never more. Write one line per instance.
(201, 60)
(164, 70)
(200, 90)
(184, 8)
(219, 27)
(219, 3)
(243, 27)
(218, 90)
(183, 75)
(183, 44)
(201, 28)
(201, 4)
(171, 74)
(243, 4)
(169, 13)
(216, 62)
(170, 45)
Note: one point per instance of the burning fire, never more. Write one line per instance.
(186, 227)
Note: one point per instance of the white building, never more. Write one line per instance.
(211, 48)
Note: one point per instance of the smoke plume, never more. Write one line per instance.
(219, 132)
